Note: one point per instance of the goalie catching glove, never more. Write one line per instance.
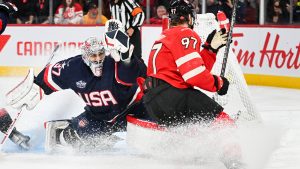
(117, 43)
(27, 93)
(216, 40)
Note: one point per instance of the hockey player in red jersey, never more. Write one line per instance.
(176, 65)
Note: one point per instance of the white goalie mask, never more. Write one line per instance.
(93, 54)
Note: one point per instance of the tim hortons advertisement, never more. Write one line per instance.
(269, 51)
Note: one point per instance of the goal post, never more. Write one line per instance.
(237, 102)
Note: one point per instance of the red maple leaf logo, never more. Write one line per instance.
(3, 40)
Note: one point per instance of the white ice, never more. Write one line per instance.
(278, 148)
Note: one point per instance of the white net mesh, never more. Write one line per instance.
(237, 102)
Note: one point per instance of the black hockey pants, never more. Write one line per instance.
(172, 106)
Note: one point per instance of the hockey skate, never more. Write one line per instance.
(20, 139)
(15, 136)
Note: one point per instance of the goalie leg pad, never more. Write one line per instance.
(60, 134)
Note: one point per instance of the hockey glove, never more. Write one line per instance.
(215, 40)
(221, 84)
(117, 43)
(26, 93)
(117, 40)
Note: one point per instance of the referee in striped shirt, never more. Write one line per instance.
(132, 17)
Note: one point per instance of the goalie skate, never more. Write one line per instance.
(21, 140)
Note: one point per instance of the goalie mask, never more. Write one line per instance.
(93, 55)
(181, 11)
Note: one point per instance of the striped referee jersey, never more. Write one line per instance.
(128, 12)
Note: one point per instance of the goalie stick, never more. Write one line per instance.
(233, 16)
(125, 112)
(13, 124)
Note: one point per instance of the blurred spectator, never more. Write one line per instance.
(212, 6)
(251, 16)
(41, 8)
(105, 6)
(106, 9)
(296, 11)
(85, 4)
(93, 16)
(25, 14)
(196, 5)
(69, 12)
(160, 11)
(226, 6)
(152, 3)
(278, 12)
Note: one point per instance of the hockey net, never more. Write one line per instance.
(237, 102)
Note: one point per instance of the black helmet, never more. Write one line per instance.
(180, 10)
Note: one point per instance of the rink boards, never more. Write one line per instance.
(267, 55)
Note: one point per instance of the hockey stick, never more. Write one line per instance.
(10, 129)
(52, 54)
(233, 16)
(124, 113)
(13, 124)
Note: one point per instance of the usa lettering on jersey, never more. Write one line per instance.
(98, 98)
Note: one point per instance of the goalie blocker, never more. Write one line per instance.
(27, 93)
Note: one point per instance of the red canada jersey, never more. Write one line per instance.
(176, 58)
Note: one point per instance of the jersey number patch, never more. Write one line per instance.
(56, 70)
(157, 48)
(186, 42)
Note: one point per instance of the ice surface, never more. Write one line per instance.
(274, 146)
